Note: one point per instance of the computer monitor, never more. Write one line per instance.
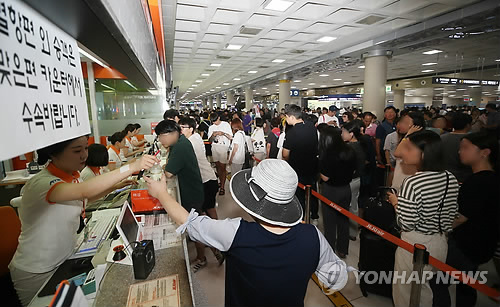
(129, 229)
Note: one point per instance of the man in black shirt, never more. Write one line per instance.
(300, 149)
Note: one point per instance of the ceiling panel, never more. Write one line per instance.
(320, 27)
(190, 12)
(185, 35)
(344, 15)
(292, 24)
(261, 20)
(181, 43)
(219, 28)
(187, 25)
(313, 9)
(277, 34)
(213, 38)
(227, 16)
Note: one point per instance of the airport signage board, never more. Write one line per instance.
(458, 81)
(294, 93)
(41, 82)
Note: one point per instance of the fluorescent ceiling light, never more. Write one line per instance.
(277, 85)
(278, 61)
(225, 83)
(93, 58)
(323, 86)
(428, 70)
(217, 87)
(278, 5)
(194, 85)
(347, 82)
(324, 75)
(252, 72)
(216, 64)
(461, 89)
(432, 51)
(205, 75)
(131, 85)
(233, 47)
(212, 90)
(293, 87)
(264, 88)
(312, 84)
(198, 81)
(337, 79)
(326, 39)
(429, 64)
(190, 88)
(362, 66)
(106, 86)
(497, 60)
(236, 79)
(304, 88)
(297, 81)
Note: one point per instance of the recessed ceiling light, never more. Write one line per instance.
(257, 93)
(362, 66)
(198, 81)
(236, 79)
(428, 70)
(304, 88)
(194, 85)
(278, 61)
(233, 47)
(278, 5)
(225, 83)
(264, 88)
(217, 87)
(326, 39)
(429, 64)
(190, 88)
(312, 84)
(297, 81)
(347, 82)
(432, 51)
(252, 72)
(205, 75)
(324, 75)
(337, 79)
(461, 89)
(323, 86)
(216, 64)
(212, 90)
(277, 85)
(293, 87)
(424, 95)
(497, 60)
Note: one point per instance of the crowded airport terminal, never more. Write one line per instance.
(176, 153)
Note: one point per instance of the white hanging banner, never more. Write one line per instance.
(42, 91)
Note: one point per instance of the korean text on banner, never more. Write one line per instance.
(41, 83)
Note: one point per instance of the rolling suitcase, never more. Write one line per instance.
(375, 253)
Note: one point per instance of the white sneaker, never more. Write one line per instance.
(315, 222)
(198, 264)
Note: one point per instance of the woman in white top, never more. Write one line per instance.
(220, 135)
(135, 142)
(237, 155)
(116, 158)
(97, 159)
(129, 150)
(51, 211)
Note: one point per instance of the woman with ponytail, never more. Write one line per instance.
(52, 211)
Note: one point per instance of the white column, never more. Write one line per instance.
(399, 99)
(210, 103)
(284, 94)
(375, 79)
(248, 98)
(218, 99)
(475, 97)
(230, 98)
(93, 105)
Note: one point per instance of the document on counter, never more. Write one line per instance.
(160, 292)
(160, 229)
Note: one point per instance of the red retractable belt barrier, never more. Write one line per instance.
(407, 246)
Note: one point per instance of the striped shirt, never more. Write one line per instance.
(419, 199)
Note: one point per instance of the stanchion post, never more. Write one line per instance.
(420, 259)
(307, 214)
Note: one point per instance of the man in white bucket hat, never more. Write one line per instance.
(269, 262)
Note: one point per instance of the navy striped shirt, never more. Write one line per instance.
(418, 202)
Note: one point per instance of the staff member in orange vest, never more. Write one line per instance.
(128, 150)
(51, 210)
(116, 157)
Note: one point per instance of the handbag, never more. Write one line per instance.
(248, 156)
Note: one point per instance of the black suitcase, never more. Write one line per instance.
(375, 253)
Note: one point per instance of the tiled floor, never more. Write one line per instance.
(211, 278)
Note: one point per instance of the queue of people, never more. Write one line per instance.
(445, 176)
